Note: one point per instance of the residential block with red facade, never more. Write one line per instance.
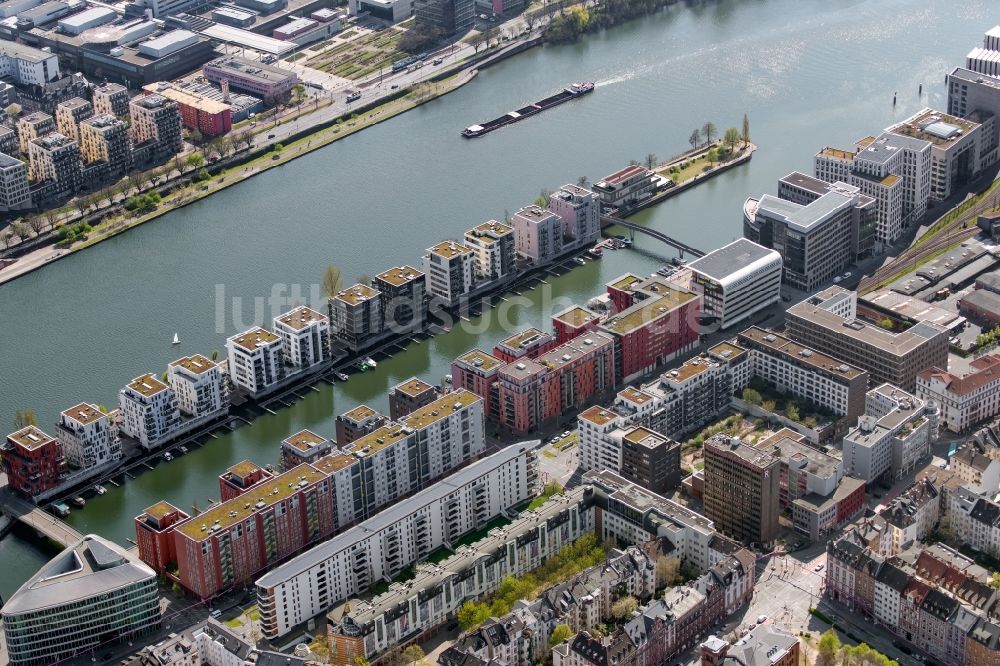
(476, 371)
(208, 116)
(572, 322)
(33, 461)
(659, 321)
(530, 343)
(154, 534)
(531, 393)
(240, 478)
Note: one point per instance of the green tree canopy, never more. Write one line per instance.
(561, 633)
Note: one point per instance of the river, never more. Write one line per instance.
(807, 72)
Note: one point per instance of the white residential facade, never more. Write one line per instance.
(88, 437)
(304, 338)
(149, 411)
(967, 400)
(892, 436)
(256, 360)
(449, 270)
(200, 386)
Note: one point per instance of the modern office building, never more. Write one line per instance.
(626, 187)
(356, 423)
(651, 460)
(156, 123)
(892, 436)
(446, 16)
(268, 82)
(34, 462)
(104, 139)
(56, 159)
(33, 126)
(409, 396)
(956, 143)
(828, 322)
(538, 233)
(392, 11)
(662, 324)
(90, 594)
(110, 99)
(965, 401)
(305, 341)
(89, 438)
(402, 289)
(382, 546)
(742, 490)
(492, 243)
(737, 281)
(15, 192)
(28, 66)
(450, 271)
(805, 373)
(356, 317)
(201, 387)
(148, 410)
(580, 212)
(8, 140)
(818, 228)
(256, 360)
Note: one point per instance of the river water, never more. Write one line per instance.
(808, 73)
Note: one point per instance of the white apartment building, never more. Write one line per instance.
(14, 191)
(438, 437)
(200, 386)
(256, 360)
(598, 449)
(580, 212)
(438, 591)
(89, 438)
(538, 234)
(892, 436)
(964, 401)
(382, 546)
(492, 244)
(304, 338)
(27, 65)
(149, 411)
(737, 281)
(449, 270)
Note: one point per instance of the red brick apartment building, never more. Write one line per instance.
(33, 461)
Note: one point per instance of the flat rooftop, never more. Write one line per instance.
(642, 500)
(936, 127)
(226, 514)
(187, 98)
(804, 218)
(789, 349)
(575, 316)
(357, 294)
(734, 260)
(625, 282)
(83, 413)
(522, 368)
(622, 175)
(244, 468)
(690, 368)
(30, 438)
(525, 339)
(146, 385)
(304, 440)
(161, 510)
(449, 249)
(490, 232)
(634, 395)
(333, 463)
(196, 364)
(733, 446)
(837, 153)
(440, 409)
(230, 35)
(727, 350)
(301, 318)
(413, 387)
(646, 438)
(599, 416)
(254, 338)
(912, 308)
(378, 439)
(359, 413)
(479, 359)
(400, 275)
(573, 350)
(646, 311)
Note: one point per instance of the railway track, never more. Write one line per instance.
(951, 234)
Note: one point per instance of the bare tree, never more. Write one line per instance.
(695, 138)
(36, 223)
(51, 217)
(6, 238)
(708, 129)
(650, 160)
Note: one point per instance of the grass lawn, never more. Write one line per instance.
(360, 57)
(234, 623)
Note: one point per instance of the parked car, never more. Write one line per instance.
(818, 567)
(762, 619)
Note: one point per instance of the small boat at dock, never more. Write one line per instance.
(370, 362)
(596, 252)
(168, 456)
(342, 377)
(79, 502)
(182, 449)
(60, 509)
(99, 489)
(580, 260)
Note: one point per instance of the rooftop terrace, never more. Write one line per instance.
(304, 440)
(300, 318)
(254, 338)
(146, 385)
(83, 413)
(357, 294)
(30, 438)
(400, 275)
(479, 359)
(413, 387)
(196, 363)
(647, 311)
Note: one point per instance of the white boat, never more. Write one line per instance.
(370, 362)
(581, 261)
(100, 490)
(167, 456)
(177, 340)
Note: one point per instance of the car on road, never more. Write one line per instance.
(353, 97)
(394, 86)
(838, 280)
(216, 613)
(437, 61)
(848, 275)
(762, 619)
(270, 136)
(818, 567)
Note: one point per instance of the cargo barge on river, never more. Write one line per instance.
(572, 92)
